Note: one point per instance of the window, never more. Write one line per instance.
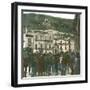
(29, 42)
(36, 46)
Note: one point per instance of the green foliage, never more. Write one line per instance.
(43, 22)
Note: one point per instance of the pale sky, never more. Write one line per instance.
(61, 15)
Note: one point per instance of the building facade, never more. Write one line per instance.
(46, 41)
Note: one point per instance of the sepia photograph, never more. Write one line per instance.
(49, 44)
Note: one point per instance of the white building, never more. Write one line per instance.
(47, 41)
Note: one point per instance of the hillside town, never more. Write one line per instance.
(50, 46)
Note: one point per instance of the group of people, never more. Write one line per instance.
(49, 64)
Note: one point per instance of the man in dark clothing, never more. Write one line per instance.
(40, 65)
(56, 63)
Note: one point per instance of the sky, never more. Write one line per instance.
(60, 15)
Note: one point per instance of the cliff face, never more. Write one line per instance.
(44, 22)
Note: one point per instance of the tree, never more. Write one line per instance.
(77, 32)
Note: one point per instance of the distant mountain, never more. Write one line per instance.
(45, 22)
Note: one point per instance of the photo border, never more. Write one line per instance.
(14, 43)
